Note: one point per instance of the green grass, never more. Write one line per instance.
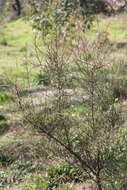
(16, 44)
(5, 97)
(77, 110)
(114, 25)
(17, 33)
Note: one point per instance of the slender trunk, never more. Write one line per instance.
(98, 181)
(17, 7)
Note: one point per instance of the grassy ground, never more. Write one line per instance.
(16, 49)
(114, 25)
(16, 46)
(16, 42)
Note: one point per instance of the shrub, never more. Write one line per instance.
(91, 142)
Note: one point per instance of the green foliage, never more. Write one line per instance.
(23, 49)
(4, 159)
(38, 184)
(5, 97)
(56, 177)
(62, 174)
(42, 78)
(63, 14)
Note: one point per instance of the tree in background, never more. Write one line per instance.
(11, 8)
(67, 10)
(17, 7)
